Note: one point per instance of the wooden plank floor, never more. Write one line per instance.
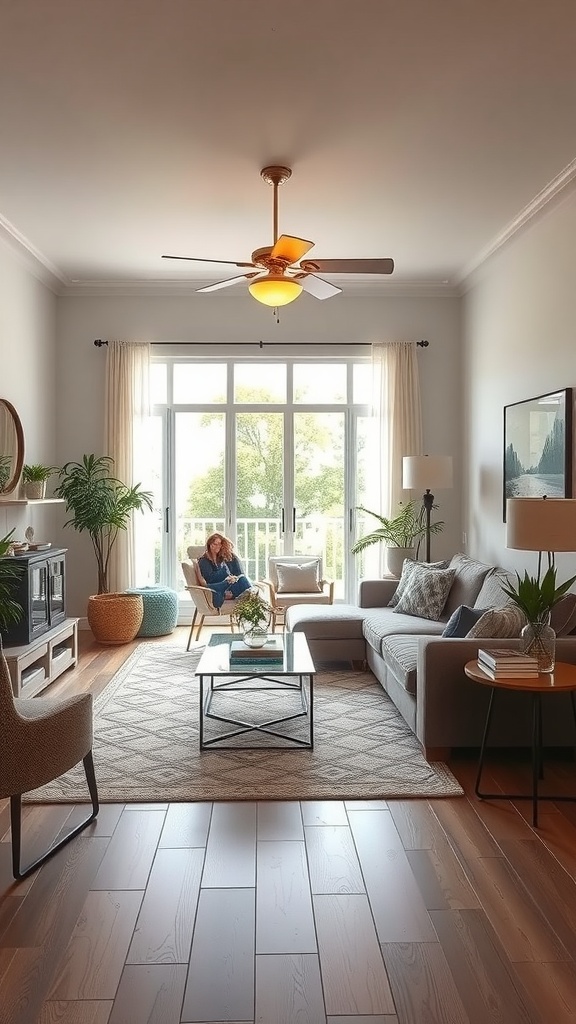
(360, 912)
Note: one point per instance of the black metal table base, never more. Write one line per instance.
(241, 727)
(537, 758)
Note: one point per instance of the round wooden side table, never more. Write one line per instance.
(561, 680)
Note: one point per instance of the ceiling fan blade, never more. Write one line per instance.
(290, 248)
(316, 286)
(198, 259)
(226, 284)
(383, 266)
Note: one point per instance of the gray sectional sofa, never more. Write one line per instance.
(423, 672)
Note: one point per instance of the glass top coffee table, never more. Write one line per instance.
(256, 704)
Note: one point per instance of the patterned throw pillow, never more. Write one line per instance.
(426, 592)
(408, 566)
(500, 623)
(461, 621)
(294, 578)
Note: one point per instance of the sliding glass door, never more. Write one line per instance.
(267, 453)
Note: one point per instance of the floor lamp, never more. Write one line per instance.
(424, 472)
(541, 524)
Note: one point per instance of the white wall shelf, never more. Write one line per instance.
(31, 501)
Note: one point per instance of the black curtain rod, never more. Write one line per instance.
(289, 344)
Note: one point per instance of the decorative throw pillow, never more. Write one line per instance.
(563, 615)
(426, 592)
(294, 578)
(408, 566)
(461, 621)
(500, 623)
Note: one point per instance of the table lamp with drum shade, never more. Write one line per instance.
(541, 524)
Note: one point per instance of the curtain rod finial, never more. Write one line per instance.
(423, 344)
(98, 343)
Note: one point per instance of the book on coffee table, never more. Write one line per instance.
(273, 650)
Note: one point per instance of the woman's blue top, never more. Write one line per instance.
(218, 573)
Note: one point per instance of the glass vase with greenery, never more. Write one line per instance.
(252, 614)
(536, 597)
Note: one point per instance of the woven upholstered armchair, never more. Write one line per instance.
(202, 597)
(40, 739)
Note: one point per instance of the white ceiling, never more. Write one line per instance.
(425, 130)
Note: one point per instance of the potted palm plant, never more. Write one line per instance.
(34, 477)
(400, 533)
(101, 505)
(536, 597)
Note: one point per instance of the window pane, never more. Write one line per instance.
(158, 383)
(199, 455)
(259, 489)
(319, 383)
(199, 383)
(362, 383)
(319, 490)
(255, 383)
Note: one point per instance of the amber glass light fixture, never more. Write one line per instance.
(275, 289)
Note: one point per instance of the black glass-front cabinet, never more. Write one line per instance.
(41, 591)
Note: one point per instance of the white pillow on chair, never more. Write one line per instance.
(294, 578)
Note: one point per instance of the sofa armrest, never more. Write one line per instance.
(330, 585)
(376, 593)
(450, 708)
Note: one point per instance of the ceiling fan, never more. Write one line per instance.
(278, 272)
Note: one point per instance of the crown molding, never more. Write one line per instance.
(566, 179)
(39, 266)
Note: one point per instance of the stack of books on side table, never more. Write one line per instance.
(272, 651)
(507, 664)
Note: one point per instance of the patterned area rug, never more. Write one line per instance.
(146, 743)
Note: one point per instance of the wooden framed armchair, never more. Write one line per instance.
(296, 579)
(202, 596)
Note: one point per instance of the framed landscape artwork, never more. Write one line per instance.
(538, 447)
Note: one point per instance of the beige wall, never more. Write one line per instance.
(28, 378)
(519, 328)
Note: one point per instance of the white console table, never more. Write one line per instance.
(35, 665)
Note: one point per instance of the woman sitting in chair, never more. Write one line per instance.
(222, 570)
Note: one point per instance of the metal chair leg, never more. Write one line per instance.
(200, 624)
(16, 825)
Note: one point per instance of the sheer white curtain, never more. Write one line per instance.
(397, 408)
(127, 406)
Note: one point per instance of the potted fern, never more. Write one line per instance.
(101, 505)
(400, 533)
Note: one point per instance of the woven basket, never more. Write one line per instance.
(115, 618)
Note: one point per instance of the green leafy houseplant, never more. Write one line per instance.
(400, 531)
(36, 473)
(10, 610)
(100, 504)
(536, 597)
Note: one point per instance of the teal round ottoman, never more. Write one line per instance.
(160, 610)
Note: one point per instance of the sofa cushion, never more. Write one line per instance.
(461, 621)
(333, 622)
(294, 578)
(491, 594)
(408, 567)
(400, 655)
(563, 616)
(426, 592)
(501, 623)
(383, 622)
(469, 578)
